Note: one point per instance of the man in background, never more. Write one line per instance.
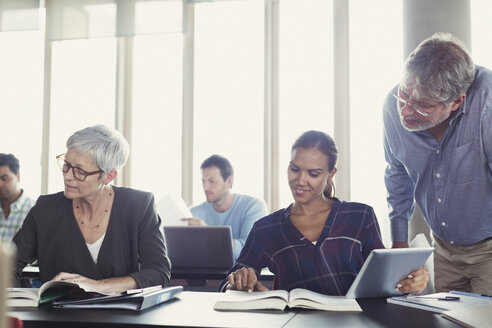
(15, 204)
(223, 207)
(438, 147)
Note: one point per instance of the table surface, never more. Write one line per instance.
(195, 309)
(32, 271)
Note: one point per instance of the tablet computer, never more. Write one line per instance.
(384, 268)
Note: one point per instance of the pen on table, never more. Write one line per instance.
(445, 298)
(470, 294)
(143, 290)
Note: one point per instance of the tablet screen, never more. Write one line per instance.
(384, 268)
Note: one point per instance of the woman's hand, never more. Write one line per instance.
(106, 286)
(245, 279)
(415, 283)
(76, 279)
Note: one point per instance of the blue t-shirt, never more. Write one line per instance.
(241, 216)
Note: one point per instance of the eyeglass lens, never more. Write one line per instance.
(78, 173)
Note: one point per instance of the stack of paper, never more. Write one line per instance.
(473, 317)
(440, 302)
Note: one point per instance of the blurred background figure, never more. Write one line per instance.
(15, 204)
(223, 207)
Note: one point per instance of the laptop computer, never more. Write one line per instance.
(384, 268)
(199, 249)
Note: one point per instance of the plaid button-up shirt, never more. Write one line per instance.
(328, 266)
(18, 212)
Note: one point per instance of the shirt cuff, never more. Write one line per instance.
(399, 229)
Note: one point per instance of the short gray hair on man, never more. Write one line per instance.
(440, 68)
(108, 148)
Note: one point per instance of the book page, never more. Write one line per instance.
(29, 293)
(172, 209)
(243, 301)
(68, 284)
(22, 297)
(304, 298)
(241, 296)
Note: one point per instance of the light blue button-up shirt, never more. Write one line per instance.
(451, 180)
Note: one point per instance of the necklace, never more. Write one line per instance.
(106, 210)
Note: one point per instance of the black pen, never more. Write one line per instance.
(445, 298)
(470, 294)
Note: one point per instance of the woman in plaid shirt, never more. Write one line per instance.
(319, 242)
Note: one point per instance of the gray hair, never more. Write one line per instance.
(108, 148)
(441, 68)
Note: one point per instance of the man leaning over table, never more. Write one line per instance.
(223, 207)
(438, 148)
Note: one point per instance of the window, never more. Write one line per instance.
(21, 103)
(306, 77)
(228, 85)
(156, 118)
(375, 65)
(481, 25)
(83, 75)
(228, 102)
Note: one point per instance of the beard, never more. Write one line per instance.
(414, 123)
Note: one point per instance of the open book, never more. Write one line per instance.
(64, 294)
(234, 300)
(49, 292)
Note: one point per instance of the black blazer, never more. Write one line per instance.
(134, 244)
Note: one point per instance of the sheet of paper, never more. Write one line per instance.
(172, 209)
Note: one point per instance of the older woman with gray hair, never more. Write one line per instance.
(94, 233)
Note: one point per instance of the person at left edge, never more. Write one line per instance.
(15, 203)
(94, 233)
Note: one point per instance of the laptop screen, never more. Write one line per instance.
(200, 247)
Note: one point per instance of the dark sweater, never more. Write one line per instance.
(133, 245)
